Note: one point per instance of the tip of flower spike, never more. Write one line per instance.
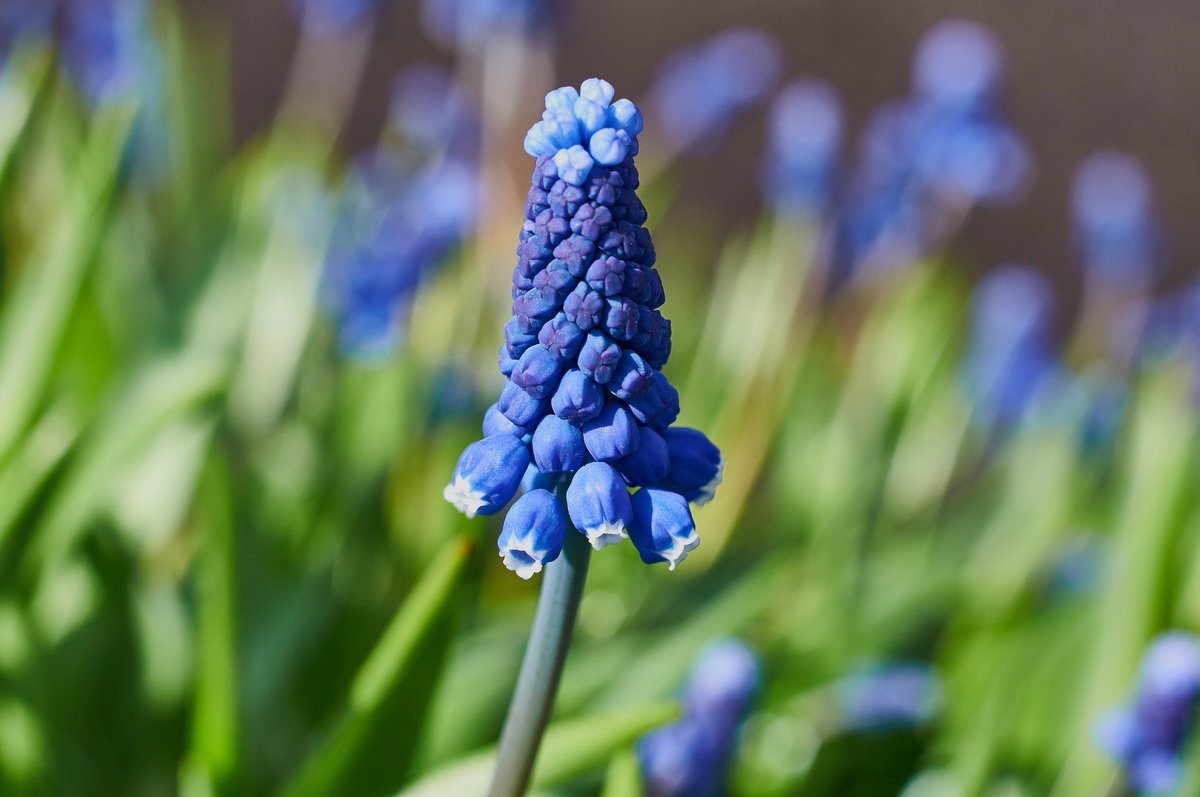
(464, 497)
(583, 127)
(605, 534)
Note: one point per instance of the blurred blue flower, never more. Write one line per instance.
(431, 112)
(584, 349)
(1150, 735)
(455, 22)
(397, 223)
(691, 757)
(923, 161)
(805, 137)
(1010, 359)
(1115, 227)
(110, 52)
(332, 16)
(701, 89)
(888, 695)
(958, 67)
(24, 19)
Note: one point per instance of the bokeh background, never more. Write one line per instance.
(255, 261)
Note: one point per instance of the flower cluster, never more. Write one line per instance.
(585, 402)
(1149, 736)
(801, 158)
(455, 22)
(691, 757)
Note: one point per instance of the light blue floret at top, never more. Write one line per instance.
(585, 418)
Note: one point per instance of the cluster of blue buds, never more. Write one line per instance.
(701, 89)
(1113, 208)
(586, 406)
(802, 153)
(889, 695)
(690, 758)
(1010, 360)
(945, 145)
(1149, 736)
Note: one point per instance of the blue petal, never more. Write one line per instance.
(487, 475)
(557, 446)
(663, 529)
(612, 434)
(598, 503)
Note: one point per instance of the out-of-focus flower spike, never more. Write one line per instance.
(488, 475)
(1113, 207)
(891, 694)
(663, 529)
(333, 16)
(24, 19)
(958, 67)
(1150, 736)
(533, 533)
(700, 89)
(1010, 359)
(599, 504)
(805, 137)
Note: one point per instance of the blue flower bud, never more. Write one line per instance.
(573, 164)
(632, 376)
(584, 307)
(649, 463)
(663, 529)
(519, 407)
(488, 474)
(612, 434)
(599, 356)
(696, 465)
(624, 115)
(538, 372)
(562, 337)
(578, 397)
(657, 406)
(533, 533)
(562, 99)
(495, 423)
(592, 117)
(557, 446)
(599, 91)
(599, 505)
(609, 146)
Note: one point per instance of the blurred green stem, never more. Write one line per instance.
(545, 653)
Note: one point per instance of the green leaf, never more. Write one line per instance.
(624, 776)
(371, 748)
(569, 749)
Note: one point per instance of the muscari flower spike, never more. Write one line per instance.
(586, 410)
(1149, 737)
(1113, 208)
(333, 16)
(1010, 359)
(799, 168)
(691, 756)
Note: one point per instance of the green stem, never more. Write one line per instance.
(545, 653)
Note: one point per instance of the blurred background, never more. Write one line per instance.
(933, 290)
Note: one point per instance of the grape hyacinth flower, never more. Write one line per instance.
(586, 414)
(109, 49)
(1149, 736)
(584, 351)
(429, 111)
(802, 155)
(454, 22)
(691, 757)
(1010, 359)
(1113, 210)
(701, 89)
(889, 695)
